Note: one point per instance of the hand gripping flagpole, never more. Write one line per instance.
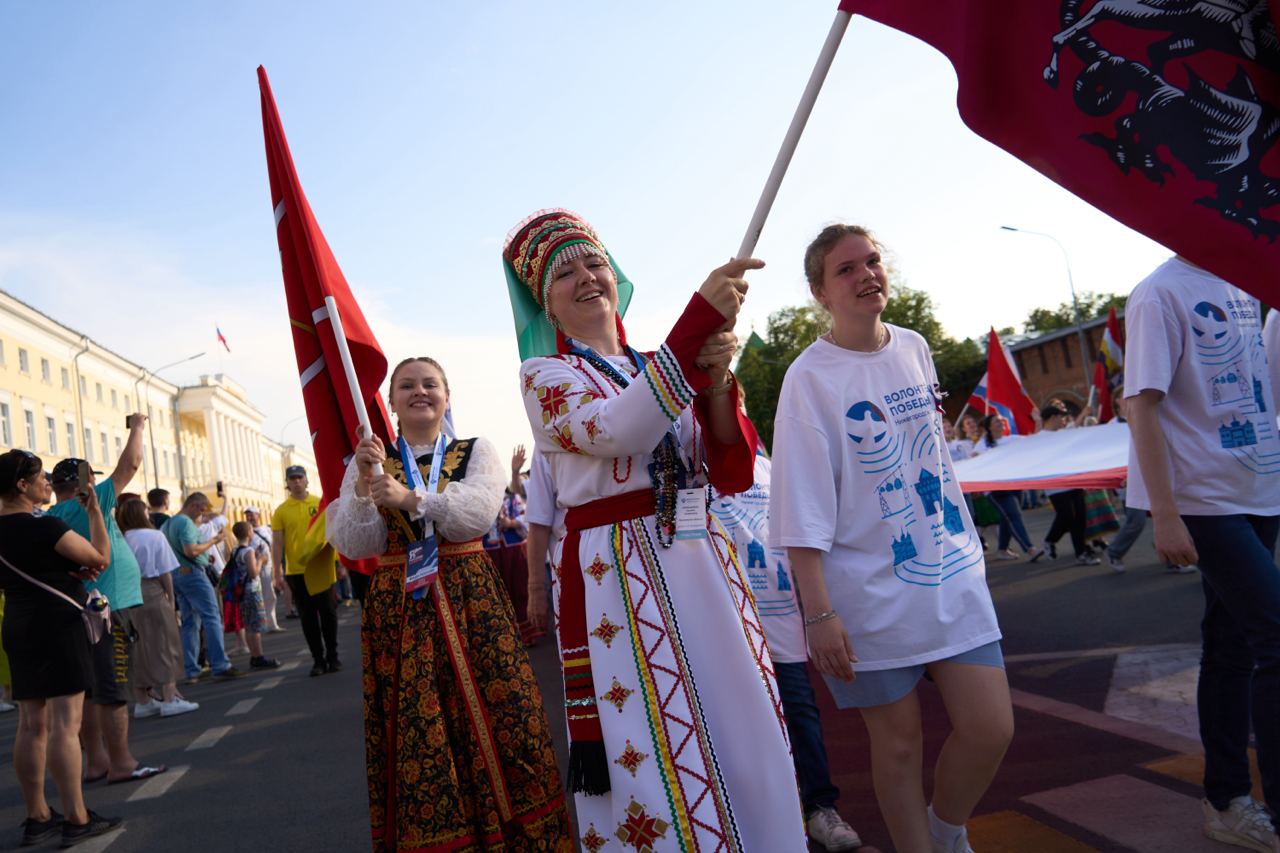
(792, 139)
(349, 368)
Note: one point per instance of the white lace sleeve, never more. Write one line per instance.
(467, 507)
(354, 526)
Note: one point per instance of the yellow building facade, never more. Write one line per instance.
(62, 394)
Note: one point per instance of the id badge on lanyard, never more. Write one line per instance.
(423, 559)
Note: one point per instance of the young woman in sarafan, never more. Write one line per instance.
(457, 743)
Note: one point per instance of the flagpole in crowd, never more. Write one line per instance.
(792, 139)
(349, 368)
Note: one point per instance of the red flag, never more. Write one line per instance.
(311, 273)
(1165, 115)
(1100, 382)
(1004, 389)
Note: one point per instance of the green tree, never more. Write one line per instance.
(1092, 306)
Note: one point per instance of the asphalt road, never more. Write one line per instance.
(275, 760)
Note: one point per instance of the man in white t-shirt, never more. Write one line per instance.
(260, 541)
(1205, 460)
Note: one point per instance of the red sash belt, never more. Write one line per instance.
(588, 763)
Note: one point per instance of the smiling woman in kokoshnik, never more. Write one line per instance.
(886, 559)
(677, 740)
(456, 739)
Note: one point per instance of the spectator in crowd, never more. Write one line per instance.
(309, 569)
(197, 599)
(1135, 520)
(45, 638)
(1068, 504)
(1204, 462)
(1006, 503)
(506, 544)
(159, 650)
(213, 528)
(158, 506)
(106, 724)
(260, 541)
(244, 587)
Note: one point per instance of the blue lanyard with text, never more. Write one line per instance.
(422, 557)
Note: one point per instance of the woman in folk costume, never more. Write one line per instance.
(456, 740)
(677, 740)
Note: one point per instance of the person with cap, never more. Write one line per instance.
(197, 598)
(260, 541)
(45, 639)
(310, 568)
(676, 732)
(106, 723)
(457, 741)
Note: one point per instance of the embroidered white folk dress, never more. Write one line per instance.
(691, 721)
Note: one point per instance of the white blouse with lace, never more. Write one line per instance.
(461, 511)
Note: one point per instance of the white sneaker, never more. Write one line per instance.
(1116, 564)
(1087, 559)
(961, 845)
(6, 707)
(177, 706)
(1181, 570)
(1245, 823)
(830, 830)
(149, 708)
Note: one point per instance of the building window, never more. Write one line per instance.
(1, 352)
(51, 427)
(115, 402)
(1066, 352)
(24, 365)
(30, 418)
(88, 444)
(126, 402)
(44, 370)
(97, 387)
(119, 447)
(106, 451)
(6, 430)
(66, 379)
(71, 439)
(165, 454)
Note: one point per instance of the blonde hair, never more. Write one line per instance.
(815, 256)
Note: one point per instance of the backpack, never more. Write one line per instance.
(235, 576)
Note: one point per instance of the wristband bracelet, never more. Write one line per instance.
(821, 617)
(723, 388)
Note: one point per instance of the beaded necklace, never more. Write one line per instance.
(667, 471)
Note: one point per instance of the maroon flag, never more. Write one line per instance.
(311, 274)
(1162, 113)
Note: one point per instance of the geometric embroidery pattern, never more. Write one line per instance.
(631, 758)
(593, 841)
(640, 830)
(618, 695)
(598, 569)
(606, 631)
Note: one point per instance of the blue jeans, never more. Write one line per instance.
(1010, 520)
(199, 606)
(1240, 661)
(1134, 521)
(808, 751)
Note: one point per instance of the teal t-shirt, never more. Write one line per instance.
(181, 531)
(121, 583)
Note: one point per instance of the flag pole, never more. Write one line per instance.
(349, 368)
(792, 139)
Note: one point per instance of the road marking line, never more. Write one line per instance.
(102, 842)
(157, 785)
(209, 738)
(244, 706)
(1112, 651)
(1103, 722)
(268, 683)
(303, 652)
(293, 664)
(1010, 830)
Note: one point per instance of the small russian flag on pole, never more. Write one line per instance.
(221, 339)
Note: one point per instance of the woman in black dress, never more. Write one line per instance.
(48, 648)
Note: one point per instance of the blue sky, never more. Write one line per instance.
(135, 203)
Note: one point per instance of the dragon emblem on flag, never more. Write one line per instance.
(1220, 134)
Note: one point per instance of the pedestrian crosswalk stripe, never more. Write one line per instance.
(1012, 832)
(1190, 768)
(268, 683)
(157, 785)
(208, 738)
(244, 706)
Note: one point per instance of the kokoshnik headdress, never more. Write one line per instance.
(534, 250)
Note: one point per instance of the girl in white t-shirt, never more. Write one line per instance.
(888, 565)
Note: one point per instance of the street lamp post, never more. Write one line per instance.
(1075, 304)
(149, 375)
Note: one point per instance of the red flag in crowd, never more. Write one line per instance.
(1004, 392)
(221, 339)
(1108, 371)
(311, 273)
(1163, 115)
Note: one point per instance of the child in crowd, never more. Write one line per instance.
(243, 608)
(885, 556)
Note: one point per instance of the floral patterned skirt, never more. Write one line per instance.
(431, 764)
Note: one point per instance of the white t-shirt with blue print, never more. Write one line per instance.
(862, 473)
(1198, 340)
